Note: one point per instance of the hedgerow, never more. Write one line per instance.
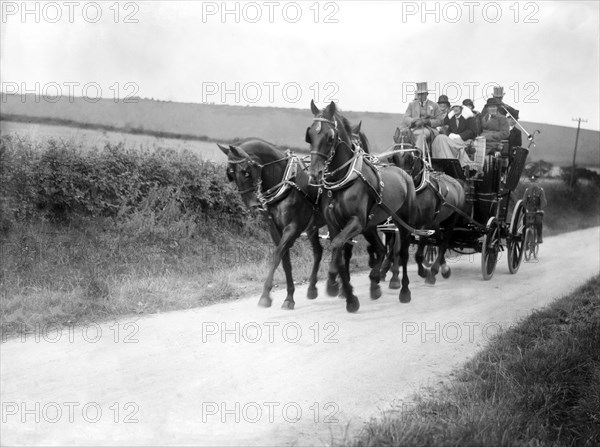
(58, 180)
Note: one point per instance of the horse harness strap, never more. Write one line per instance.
(377, 195)
(280, 190)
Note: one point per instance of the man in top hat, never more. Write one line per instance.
(494, 126)
(423, 116)
(461, 128)
(503, 108)
(515, 138)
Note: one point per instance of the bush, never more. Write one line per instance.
(60, 181)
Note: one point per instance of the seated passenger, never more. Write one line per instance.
(461, 128)
(503, 108)
(422, 116)
(494, 127)
(471, 105)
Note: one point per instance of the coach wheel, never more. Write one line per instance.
(490, 248)
(516, 238)
(430, 255)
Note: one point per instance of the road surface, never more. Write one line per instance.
(236, 374)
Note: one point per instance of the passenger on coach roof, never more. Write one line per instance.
(423, 116)
(503, 107)
(476, 119)
(461, 129)
(494, 126)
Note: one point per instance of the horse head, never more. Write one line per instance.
(244, 171)
(409, 160)
(327, 131)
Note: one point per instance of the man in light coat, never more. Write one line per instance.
(423, 116)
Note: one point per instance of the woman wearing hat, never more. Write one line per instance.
(461, 128)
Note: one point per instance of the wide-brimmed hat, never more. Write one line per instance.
(422, 87)
(498, 92)
(443, 99)
(493, 102)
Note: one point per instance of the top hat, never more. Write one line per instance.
(443, 99)
(422, 87)
(498, 92)
(493, 102)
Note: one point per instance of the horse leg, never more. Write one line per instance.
(419, 258)
(284, 241)
(387, 262)
(348, 247)
(395, 252)
(352, 228)
(332, 286)
(287, 268)
(312, 291)
(379, 251)
(405, 295)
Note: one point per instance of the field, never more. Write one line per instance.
(95, 139)
(283, 126)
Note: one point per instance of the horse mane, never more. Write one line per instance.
(257, 147)
(345, 123)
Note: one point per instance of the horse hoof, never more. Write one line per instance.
(395, 284)
(446, 273)
(312, 293)
(375, 292)
(405, 296)
(333, 289)
(288, 305)
(430, 279)
(422, 272)
(265, 301)
(352, 304)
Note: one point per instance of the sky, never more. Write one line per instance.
(366, 56)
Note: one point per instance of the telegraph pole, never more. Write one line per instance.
(579, 120)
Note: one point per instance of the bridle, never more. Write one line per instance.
(336, 141)
(256, 182)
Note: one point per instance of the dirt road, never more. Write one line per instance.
(236, 374)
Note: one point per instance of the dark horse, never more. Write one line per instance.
(269, 179)
(354, 190)
(438, 198)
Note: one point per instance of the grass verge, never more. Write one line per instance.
(538, 383)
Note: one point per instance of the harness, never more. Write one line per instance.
(279, 191)
(355, 172)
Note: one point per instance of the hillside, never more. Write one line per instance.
(283, 126)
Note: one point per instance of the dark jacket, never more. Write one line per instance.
(515, 138)
(465, 128)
